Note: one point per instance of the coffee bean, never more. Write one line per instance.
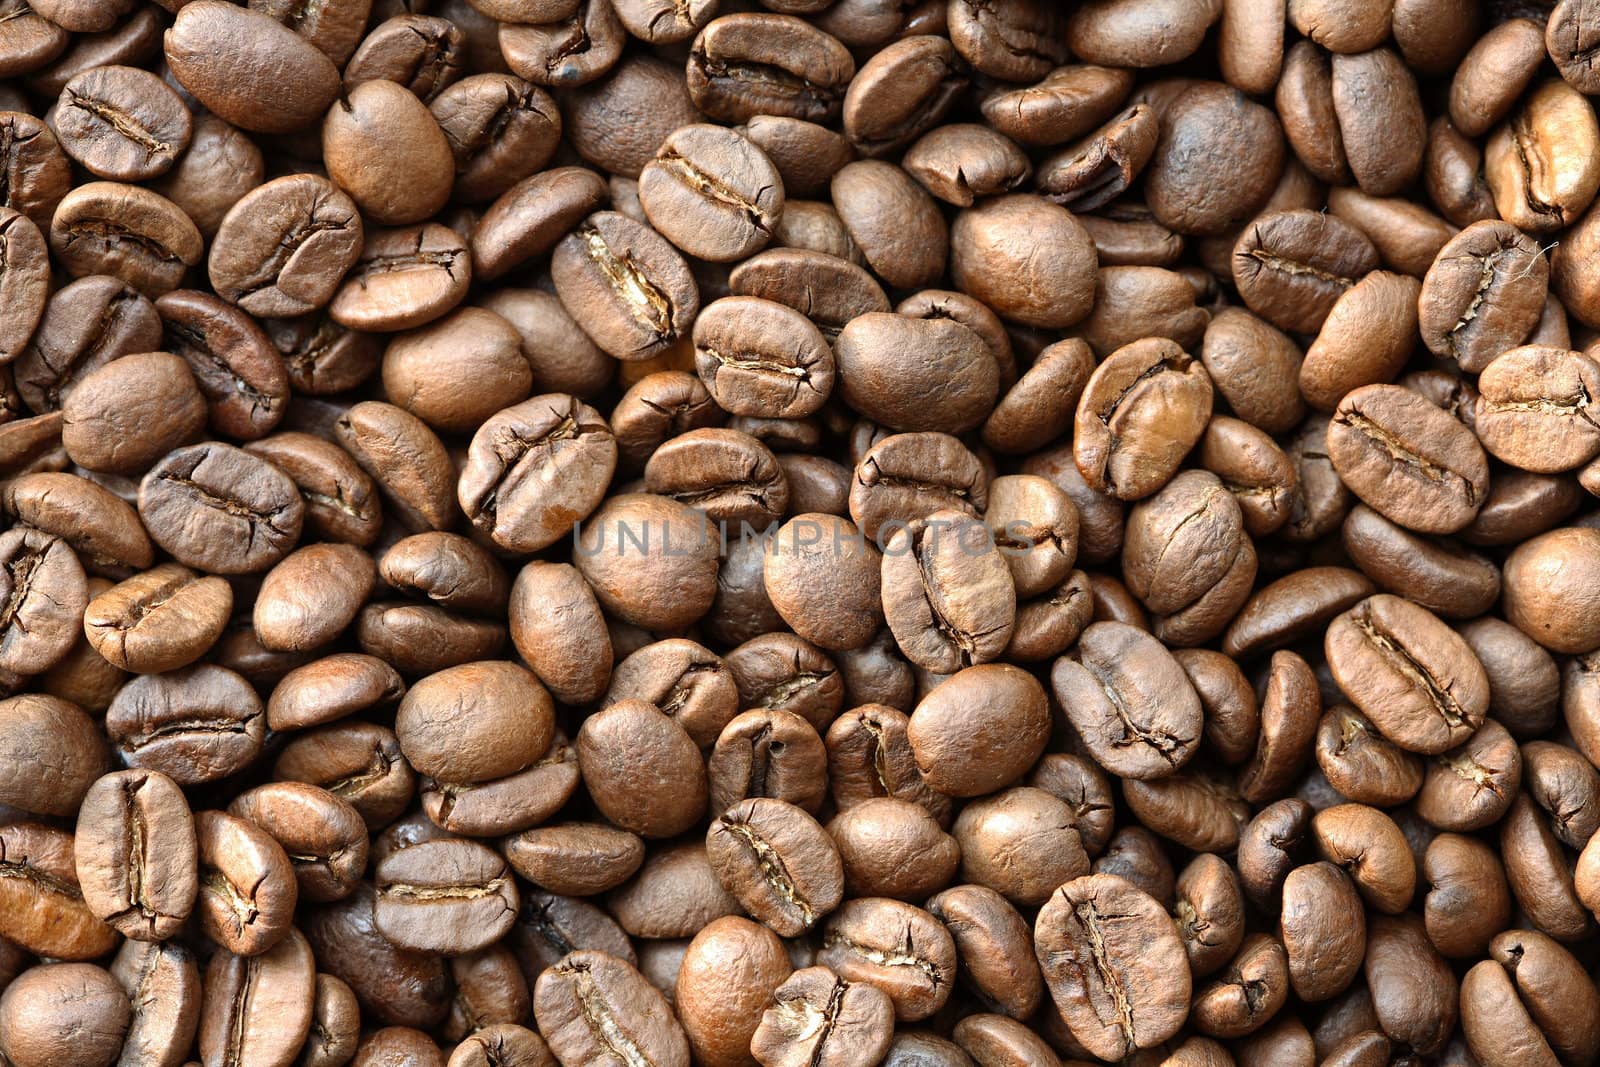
(247, 885)
(712, 193)
(163, 986)
(625, 285)
(1407, 459)
(255, 1004)
(1483, 294)
(126, 231)
(136, 854)
(746, 65)
(63, 1010)
(900, 93)
(857, 1020)
(284, 247)
(323, 835)
(122, 123)
(1140, 722)
(249, 70)
(901, 949)
(779, 863)
(1121, 986)
(590, 1002)
(1435, 692)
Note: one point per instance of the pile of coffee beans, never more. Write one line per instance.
(799, 533)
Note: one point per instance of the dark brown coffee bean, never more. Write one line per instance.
(195, 725)
(901, 949)
(323, 835)
(249, 70)
(778, 862)
(125, 231)
(894, 848)
(284, 247)
(136, 854)
(517, 458)
(902, 91)
(63, 1012)
(760, 358)
(626, 286)
(745, 65)
(254, 1006)
(870, 755)
(122, 123)
(1138, 721)
(1114, 965)
(570, 51)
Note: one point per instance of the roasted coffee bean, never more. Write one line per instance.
(249, 70)
(194, 725)
(122, 123)
(979, 731)
(1129, 700)
(1483, 294)
(136, 854)
(220, 509)
(768, 752)
(404, 458)
(591, 1002)
(778, 861)
(444, 896)
(283, 249)
(1417, 681)
(247, 889)
(236, 366)
(901, 949)
(125, 231)
(1142, 410)
(817, 1017)
(163, 985)
(1407, 459)
(63, 1012)
(948, 595)
(1113, 963)
(255, 1005)
(625, 285)
(323, 835)
(41, 906)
